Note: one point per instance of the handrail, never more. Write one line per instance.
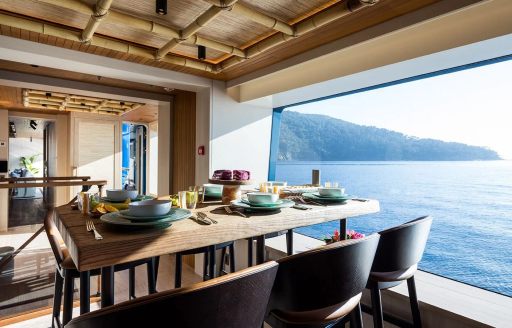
(81, 178)
(99, 183)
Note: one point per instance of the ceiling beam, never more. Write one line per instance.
(100, 11)
(119, 18)
(321, 18)
(66, 33)
(192, 29)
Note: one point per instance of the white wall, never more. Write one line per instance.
(240, 133)
(203, 129)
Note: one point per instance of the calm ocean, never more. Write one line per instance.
(471, 203)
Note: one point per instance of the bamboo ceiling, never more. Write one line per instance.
(233, 31)
(49, 100)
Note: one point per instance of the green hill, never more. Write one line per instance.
(309, 137)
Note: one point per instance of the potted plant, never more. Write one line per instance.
(28, 163)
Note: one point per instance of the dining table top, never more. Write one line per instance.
(122, 245)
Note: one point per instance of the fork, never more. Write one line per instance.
(90, 227)
(204, 216)
(230, 211)
(311, 202)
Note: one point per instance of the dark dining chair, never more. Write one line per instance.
(231, 301)
(207, 261)
(66, 273)
(322, 287)
(398, 254)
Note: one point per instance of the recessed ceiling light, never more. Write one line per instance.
(201, 52)
(161, 7)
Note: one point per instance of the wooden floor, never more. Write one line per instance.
(165, 282)
(26, 211)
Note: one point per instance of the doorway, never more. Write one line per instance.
(134, 157)
(29, 151)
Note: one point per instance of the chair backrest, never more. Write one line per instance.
(323, 277)
(402, 247)
(231, 301)
(54, 237)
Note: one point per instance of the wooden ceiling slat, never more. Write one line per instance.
(226, 28)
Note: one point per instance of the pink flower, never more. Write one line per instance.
(351, 234)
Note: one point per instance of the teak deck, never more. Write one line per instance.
(120, 246)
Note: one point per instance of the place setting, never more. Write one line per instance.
(128, 209)
(327, 195)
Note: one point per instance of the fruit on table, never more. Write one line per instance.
(103, 208)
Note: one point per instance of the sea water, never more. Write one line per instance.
(471, 203)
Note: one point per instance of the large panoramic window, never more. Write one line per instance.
(438, 146)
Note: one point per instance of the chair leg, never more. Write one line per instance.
(222, 269)
(205, 265)
(378, 320)
(177, 271)
(250, 252)
(57, 298)
(157, 265)
(356, 317)
(131, 283)
(69, 288)
(151, 276)
(232, 267)
(413, 299)
(289, 242)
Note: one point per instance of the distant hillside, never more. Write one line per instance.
(309, 137)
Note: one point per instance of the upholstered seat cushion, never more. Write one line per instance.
(394, 275)
(318, 316)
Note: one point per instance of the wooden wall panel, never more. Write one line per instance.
(184, 140)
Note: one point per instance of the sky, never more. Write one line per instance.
(472, 106)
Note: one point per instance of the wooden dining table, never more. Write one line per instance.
(125, 245)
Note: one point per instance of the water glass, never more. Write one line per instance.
(182, 199)
(264, 187)
(191, 198)
(83, 200)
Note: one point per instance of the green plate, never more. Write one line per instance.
(285, 204)
(126, 214)
(138, 199)
(246, 201)
(316, 197)
(115, 218)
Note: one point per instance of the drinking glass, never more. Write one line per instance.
(191, 199)
(182, 199)
(264, 187)
(327, 184)
(84, 201)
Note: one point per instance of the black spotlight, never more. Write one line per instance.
(161, 7)
(201, 52)
(12, 130)
(33, 124)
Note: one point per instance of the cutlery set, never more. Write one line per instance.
(90, 227)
